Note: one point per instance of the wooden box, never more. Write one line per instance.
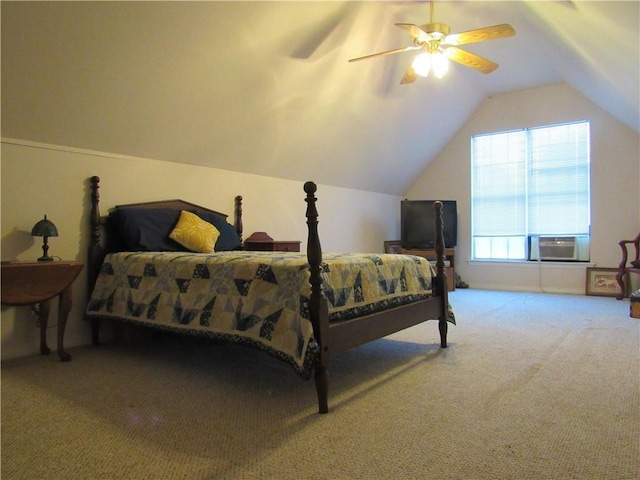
(262, 242)
(634, 302)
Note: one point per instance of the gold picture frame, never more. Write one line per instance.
(602, 282)
(392, 246)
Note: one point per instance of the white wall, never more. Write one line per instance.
(615, 177)
(43, 179)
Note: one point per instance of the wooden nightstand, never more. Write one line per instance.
(27, 283)
(261, 242)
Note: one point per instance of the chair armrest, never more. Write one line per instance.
(625, 252)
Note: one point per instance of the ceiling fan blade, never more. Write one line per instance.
(480, 35)
(410, 76)
(312, 39)
(388, 52)
(470, 60)
(414, 30)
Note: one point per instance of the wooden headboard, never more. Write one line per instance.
(98, 246)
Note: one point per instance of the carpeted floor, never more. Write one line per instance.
(533, 386)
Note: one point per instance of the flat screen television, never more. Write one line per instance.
(418, 226)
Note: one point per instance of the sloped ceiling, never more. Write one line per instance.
(265, 87)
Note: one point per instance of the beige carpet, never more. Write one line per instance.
(533, 386)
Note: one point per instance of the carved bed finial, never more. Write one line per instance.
(318, 309)
(441, 276)
(94, 218)
(314, 252)
(439, 246)
(237, 216)
(96, 250)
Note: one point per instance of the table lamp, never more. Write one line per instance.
(44, 228)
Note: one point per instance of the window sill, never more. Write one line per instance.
(530, 264)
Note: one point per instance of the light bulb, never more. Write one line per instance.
(422, 64)
(440, 64)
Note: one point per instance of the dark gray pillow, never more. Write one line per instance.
(146, 229)
(228, 239)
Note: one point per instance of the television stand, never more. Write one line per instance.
(430, 254)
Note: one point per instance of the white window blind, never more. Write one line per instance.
(528, 182)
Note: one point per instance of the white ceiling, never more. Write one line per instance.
(265, 87)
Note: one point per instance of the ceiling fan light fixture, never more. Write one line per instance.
(439, 64)
(438, 46)
(422, 64)
(426, 63)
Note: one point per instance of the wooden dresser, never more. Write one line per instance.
(430, 254)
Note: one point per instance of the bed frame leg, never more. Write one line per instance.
(443, 327)
(95, 331)
(322, 387)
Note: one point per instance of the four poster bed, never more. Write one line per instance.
(144, 268)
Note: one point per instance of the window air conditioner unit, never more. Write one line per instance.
(559, 249)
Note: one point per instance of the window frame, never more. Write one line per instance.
(503, 181)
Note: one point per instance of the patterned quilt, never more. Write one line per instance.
(256, 298)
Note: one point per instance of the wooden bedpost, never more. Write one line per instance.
(237, 217)
(318, 309)
(441, 280)
(96, 250)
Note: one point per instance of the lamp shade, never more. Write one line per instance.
(44, 228)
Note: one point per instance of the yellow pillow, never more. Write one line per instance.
(194, 233)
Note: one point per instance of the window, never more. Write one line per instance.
(526, 183)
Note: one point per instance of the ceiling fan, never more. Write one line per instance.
(439, 46)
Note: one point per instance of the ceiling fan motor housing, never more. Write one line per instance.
(438, 28)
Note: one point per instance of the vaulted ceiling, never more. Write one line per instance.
(265, 87)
